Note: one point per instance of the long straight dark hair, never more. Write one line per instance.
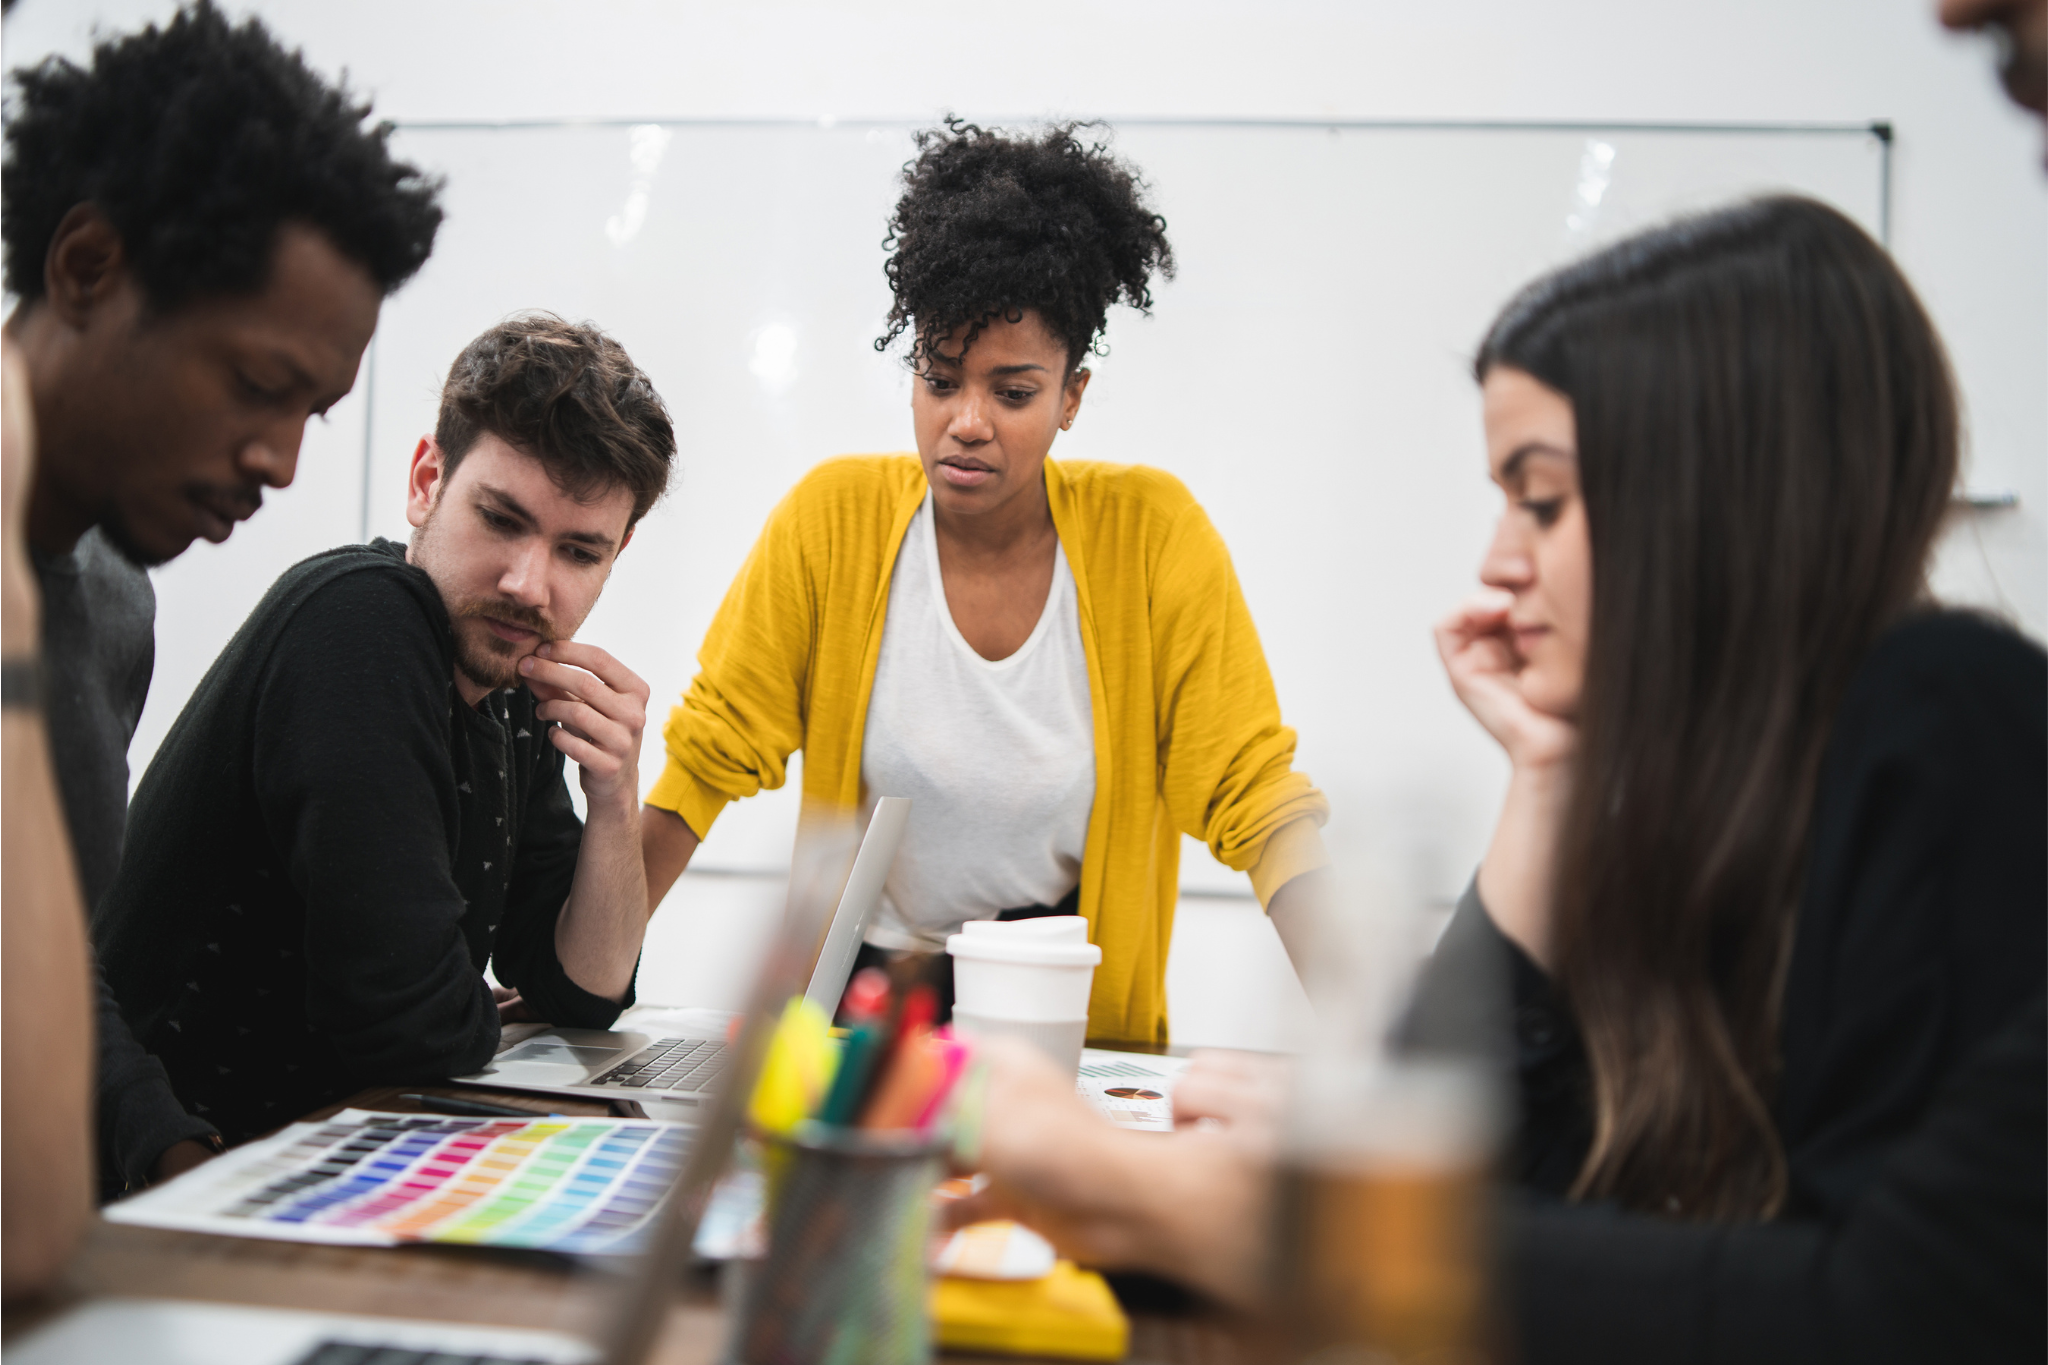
(1767, 440)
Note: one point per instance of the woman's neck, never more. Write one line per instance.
(1020, 528)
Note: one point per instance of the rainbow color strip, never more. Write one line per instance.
(556, 1184)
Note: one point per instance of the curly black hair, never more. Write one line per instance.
(991, 225)
(198, 140)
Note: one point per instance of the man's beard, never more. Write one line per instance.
(480, 655)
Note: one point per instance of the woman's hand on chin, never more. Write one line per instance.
(1478, 650)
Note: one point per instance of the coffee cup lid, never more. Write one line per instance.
(1049, 941)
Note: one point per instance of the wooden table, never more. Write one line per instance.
(469, 1284)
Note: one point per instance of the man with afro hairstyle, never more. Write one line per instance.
(200, 231)
(1052, 659)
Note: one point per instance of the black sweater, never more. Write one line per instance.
(327, 850)
(1913, 1103)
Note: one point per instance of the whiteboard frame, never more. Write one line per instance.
(1881, 129)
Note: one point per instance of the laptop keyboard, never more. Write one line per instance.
(362, 1353)
(672, 1064)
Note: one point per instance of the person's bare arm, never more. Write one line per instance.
(599, 708)
(1190, 1206)
(45, 1021)
(46, 1038)
(666, 843)
(1294, 910)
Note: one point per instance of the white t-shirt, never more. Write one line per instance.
(998, 757)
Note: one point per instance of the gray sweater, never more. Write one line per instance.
(99, 649)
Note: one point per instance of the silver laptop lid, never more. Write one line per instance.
(857, 902)
(813, 872)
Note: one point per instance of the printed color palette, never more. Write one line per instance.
(555, 1184)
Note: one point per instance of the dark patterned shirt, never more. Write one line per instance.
(328, 849)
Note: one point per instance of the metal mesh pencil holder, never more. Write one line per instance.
(844, 1281)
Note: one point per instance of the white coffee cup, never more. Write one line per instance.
(1027, 978)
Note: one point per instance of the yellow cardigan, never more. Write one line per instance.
(1187, 726)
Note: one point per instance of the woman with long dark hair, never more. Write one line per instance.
(1771, 876)
(1736, 439)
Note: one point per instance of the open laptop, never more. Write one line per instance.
(140, 1331)
(672, 1073)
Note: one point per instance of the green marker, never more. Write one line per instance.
(850, 1082)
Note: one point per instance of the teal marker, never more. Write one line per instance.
(850, 1082)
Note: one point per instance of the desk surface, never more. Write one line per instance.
(462, 1284)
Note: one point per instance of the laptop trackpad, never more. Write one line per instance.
(558, 1053)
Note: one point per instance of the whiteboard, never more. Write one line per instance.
(1305, 374)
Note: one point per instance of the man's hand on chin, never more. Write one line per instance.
(598, 708)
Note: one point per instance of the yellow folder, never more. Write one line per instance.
(1069, 1313)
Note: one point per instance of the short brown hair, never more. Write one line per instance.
(566, 394)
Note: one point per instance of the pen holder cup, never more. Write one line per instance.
(844, 1280)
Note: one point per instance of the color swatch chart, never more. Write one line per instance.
(579, 1185)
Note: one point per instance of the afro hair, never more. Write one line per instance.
(992, 225)
(198, 141)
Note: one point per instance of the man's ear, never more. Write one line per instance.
(423, 481)
(626, 540)
(85, 265)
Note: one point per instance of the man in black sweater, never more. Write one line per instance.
(200, 231)
(364, 801)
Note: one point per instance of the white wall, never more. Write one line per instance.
(1970, 208)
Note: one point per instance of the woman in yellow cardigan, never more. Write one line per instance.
(1053, 660)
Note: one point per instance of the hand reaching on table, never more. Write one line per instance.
(1240, 1094)
(1190, 1206)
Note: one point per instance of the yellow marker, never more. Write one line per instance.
(798, 1069)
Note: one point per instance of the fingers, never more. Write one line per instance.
(597, 706)
(553, 680)
(986, 1202)
(1478, 648)
(1482, 616)
(591, 725)
(591, 659)
(1484, 610)
(1234, 1089)
(594, 759)
(1211, 1087)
